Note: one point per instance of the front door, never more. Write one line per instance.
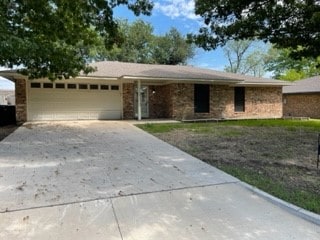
(144, 102)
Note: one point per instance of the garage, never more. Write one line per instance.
(70, 100)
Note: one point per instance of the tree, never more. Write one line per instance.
(285, 68)
(172, 48)
(136, 43)
(140, 45)
(55, 38)
(287, 24)
(245, 57)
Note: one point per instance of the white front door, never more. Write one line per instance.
(144, 102)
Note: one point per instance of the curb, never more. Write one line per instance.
(293, 209)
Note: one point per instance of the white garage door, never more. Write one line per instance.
(73, 101)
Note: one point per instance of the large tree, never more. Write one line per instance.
(245, 57)
(136, 43)
(55, 38)
(285, 23)
(172, 48)
(285, 68)
(141, 45)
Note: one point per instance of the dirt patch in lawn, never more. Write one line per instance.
(6, 131)
(280, 155)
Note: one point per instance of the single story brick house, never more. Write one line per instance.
(118, 90)
(302, 99)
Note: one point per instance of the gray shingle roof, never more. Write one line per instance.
(177, 72)
(308, 85)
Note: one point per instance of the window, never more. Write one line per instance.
(239, 99)
(72, 86)
(104, 87)
(59, 85)
(114, 87)
(35, 85)
(94, 86)
(201, 98)
(48, 85)
(83, 86)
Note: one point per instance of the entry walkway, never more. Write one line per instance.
(110, 180)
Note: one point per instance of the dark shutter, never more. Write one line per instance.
(239, 99)
(201, 98)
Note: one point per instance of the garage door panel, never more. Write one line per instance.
(71, 104)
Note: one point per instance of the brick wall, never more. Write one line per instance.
(177, 101)
(21, 100)
(160, 101)
(302, 105)
(128, 100)
(182, 101)
(260, 102)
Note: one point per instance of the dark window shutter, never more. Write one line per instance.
(201, 98)
(239, 99)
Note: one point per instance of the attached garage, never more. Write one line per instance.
(73, 100)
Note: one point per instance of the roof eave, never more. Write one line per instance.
(263, 84)
(97, 77)
(184, 80)
(11, 74)
(303, 92)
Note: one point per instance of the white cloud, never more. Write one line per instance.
(177, 8)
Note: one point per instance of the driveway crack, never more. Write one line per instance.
(117, 220)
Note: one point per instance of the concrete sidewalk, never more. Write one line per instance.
(110, 180)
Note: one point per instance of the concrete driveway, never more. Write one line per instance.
(110, 180)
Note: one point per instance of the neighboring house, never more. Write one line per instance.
(7, 97)
(302, 99)
(127, 90)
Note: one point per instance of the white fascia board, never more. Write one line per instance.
(97, 78)
(182, 80)
(262, 84)
(12, 74)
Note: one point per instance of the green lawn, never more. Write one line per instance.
(207, 126)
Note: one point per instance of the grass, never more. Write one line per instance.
(307, 200)
(207, 126)
(277, 156)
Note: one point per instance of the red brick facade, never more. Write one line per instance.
(160, 101)
(21, 100)
(177, 101)
(301, 105)
(128, 100)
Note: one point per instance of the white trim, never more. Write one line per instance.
(95, 78)
(261, 84)
(185, 80)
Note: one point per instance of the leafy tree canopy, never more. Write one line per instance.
(285, 68)
(172, 49)
(141, 45)
(55, 38)
(287, 24)
(135, 45)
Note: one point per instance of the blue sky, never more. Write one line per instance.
(179, 14)
(167, 14)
